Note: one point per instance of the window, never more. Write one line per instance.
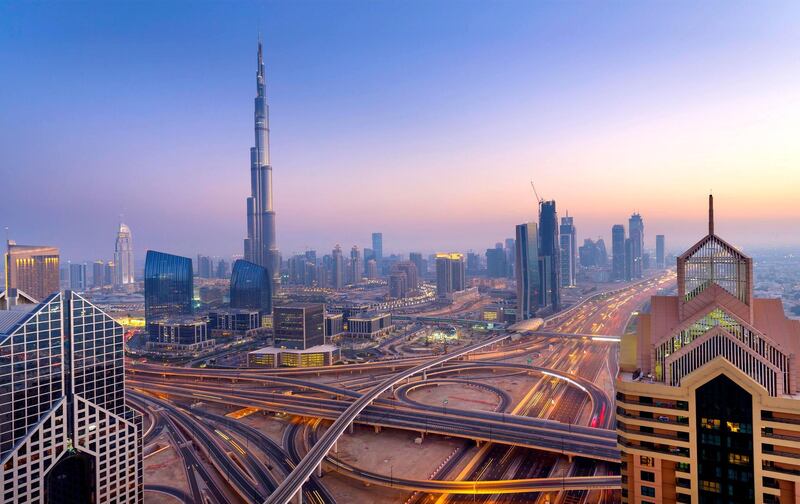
(709, 486)
(738, 459)
(648, 476)
(648, 491)
(710, 423)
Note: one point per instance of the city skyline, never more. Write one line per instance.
(346, 110)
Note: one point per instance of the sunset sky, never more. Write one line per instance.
(423, 120)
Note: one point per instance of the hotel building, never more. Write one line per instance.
(708, 400)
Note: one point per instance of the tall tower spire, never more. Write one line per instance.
(711, 214)
(260, 246)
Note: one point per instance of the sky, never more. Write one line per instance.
(423, 120)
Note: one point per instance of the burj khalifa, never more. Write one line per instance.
(259, 246)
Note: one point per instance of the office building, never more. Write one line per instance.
(636, 234)
(223, 269)
(272, 357)
(178, 334)
(398, 285)
(410, 269)
(110, 272)
(450, 274)
(233, 322)
(356, 267)
(602, 253)
(251, 287)
(496, 266)
(588, 254)
(123, 257)
(473, 263)
(527, 270)
(369, 325)
(168, 286)
(260, 246)
(569, 251)
(708, 396)
(549, 257)
(98, 274)
(618, 252)
(337, 268)
(334, 325)
(630, 269)
(372, 269)
(660, 263)
(32, 269)
(204, 266)
(377, 246)
(299, 325)
(77, 277)
(66, 432)
(420, 263)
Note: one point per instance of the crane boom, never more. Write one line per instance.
(536, 193)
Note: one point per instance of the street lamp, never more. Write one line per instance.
(444, 406)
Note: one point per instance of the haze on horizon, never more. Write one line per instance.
(423, 120)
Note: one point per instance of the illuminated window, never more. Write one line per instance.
(738, 459)
(710, 423)
(648, 491)
(709, 486)
(743, 428)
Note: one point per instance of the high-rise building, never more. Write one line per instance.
(98, 274)
(602, 254)
(372, 269)
(660, 263)
(618, 252)
(251, 287)
(496, 266)
(511, 251)
(222, 269)
(123, 256)
(636, 233)
(110, 272)
(569, 251)
(589, 254)
(260, 246)
(630, 268)
(410, 270)
(168, 286)
(377, 246)
(33, 269)
(526, 267)
(473, 263)
(66, 432)
(420, 263)
(707, 405)
(77, 277)
(549, 257)
(299, 325)
(204, 267)
(450, 274)
(356, 268)
(398, 285)
(337, 268)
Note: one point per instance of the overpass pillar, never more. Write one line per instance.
(336, 447)
(298, 497)
(425, 375)
(319, 470)
(351, 428)
(377, 429)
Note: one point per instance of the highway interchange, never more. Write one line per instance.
(554, 444)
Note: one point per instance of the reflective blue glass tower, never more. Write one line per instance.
(251, 287)
(168, 286)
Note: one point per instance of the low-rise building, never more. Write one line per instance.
(270, 357)
(234, 322)
(178, 335)
(369, 325)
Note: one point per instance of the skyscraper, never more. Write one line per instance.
(526, 267)
(123, 256)
(377, 246)
(569, 252)
(660, 263)
(420, 263)
(337, 268)
(549, 257)
(251, 287)
(260, 246)
(450, 274)
(410, 270)
(618, 252)
(356, 268)
(707, 406)
(496, 266)
(33, 269)
(98, 274)
(77, 277)
(636, 233)
(168, 286)
(66, 433)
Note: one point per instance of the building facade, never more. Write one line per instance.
(299, 325)
(251, 287)
(496, 264)
(377, 246)
(260, 246)
(569, 252)
(526, 268)
(660, 262)
(123, 256)
(32, 269)
(451, 275)
(65, 428)
(549, 257)
(77, 277)
(618, 252)
(168, 286)
(707, 394)
(636, 234)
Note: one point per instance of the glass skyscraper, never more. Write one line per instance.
(66, 433)
(168, 286)
(549, 256)
(527, 270)
(251, 287)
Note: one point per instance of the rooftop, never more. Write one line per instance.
(314, 349)
(9, 318)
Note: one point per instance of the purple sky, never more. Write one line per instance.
(423, 120)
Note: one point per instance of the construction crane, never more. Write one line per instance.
(540, 200)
